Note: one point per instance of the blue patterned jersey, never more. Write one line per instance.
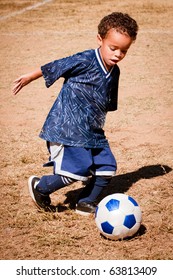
(89, 91)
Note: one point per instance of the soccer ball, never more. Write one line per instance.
(118, 216)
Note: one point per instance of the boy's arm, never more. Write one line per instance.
(26, 79)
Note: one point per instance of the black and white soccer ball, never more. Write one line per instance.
(118, 216)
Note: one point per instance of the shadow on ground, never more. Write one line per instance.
(121, 183)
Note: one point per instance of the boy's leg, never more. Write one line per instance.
(93, 189)
(104, 167)
(87, 198)
(67, 162)
(51, 183)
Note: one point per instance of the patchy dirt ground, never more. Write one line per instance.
(140, 132)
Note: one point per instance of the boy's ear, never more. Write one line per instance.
(99, 40)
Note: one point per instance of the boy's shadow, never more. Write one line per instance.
(121, 183)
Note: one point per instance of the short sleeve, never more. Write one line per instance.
(64, 67)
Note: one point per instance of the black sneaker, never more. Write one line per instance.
(41, 200)
(85, 208)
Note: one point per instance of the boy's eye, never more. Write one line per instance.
(124, 51)
(112, 48)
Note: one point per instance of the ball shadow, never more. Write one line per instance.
(142, 230)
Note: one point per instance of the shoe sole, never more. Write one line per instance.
(30, 189)
(82, 213)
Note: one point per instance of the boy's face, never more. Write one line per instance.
(113, 47)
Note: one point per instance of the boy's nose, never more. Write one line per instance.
(118, 53)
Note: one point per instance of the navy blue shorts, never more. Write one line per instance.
(79, 163)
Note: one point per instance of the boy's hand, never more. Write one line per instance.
(20, 83)
(26, 79)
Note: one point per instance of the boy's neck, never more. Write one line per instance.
(108, 69)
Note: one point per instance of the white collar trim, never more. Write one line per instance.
(107, 73)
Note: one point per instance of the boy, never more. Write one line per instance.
(73, 129)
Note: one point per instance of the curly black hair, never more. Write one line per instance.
(121, 22)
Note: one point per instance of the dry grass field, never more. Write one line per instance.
(140, 132)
